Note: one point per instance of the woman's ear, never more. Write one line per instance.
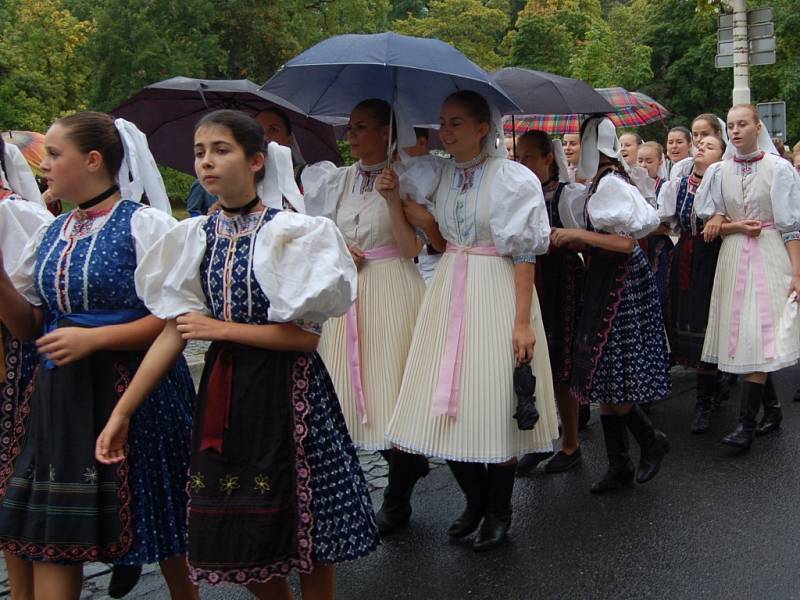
(257, 162)
(94, 161)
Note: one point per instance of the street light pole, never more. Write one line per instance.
(741, 54)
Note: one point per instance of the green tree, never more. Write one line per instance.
(311, 21)
(138, 42)
(472, 26)
(43, 72)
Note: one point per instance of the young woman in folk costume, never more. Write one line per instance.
(691, 278)
(679, 146)
(275, 485)
(366, 350)
(559, 285)
(752, 199)
(75, 281)
(703, 125)
(620, 358)
(19, 221)
(480, 318)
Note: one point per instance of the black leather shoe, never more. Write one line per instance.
(616, 478)
(472, 479)
(705, 404)
(653, 444)
(530, 461)
(584, 415)
(797, 395)
(773, 415)
(742, 437)
(405, 470)
(620, 467)
(493, 532)
(123, 579)
(563, 462)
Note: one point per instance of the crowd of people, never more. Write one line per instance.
(543, 285)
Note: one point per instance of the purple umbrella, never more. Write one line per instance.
(168, 110)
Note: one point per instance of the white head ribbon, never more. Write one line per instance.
(297, 154)
(278, 182)
(139, 173)
(763, 143)
(599, 137)
(561, 161)
(495, 143)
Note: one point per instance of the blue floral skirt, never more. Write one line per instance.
(621, 353)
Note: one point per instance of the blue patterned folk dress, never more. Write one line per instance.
(620, 351)
(57, 503)
(275, 482)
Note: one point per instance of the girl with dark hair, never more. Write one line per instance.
(366, 350)
(480, 319)
(703, 125)
(679, 144)
(620, 358)
(278, 128)
(559, 285)
(691, 278)
(752, 199)
(75, 281)
(275, 485)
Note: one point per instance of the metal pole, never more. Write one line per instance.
(741, 54)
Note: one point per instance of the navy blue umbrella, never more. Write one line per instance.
(539, 92)
(168, 110)
(417, 73)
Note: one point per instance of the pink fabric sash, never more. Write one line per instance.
(445, 398)
(751, 255)
(353, 335)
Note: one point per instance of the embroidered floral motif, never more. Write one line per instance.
(229, 484)
(197, 482)
(90, 475)
(261, 484)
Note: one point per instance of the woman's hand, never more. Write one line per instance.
(197, 326)
(750, 227)
(67, 345)
(358, 256)
(523, 340)
(110, 447)
(388, 185)
(794, 287)
(564, 238)
(713, 228)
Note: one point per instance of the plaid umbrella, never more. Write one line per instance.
(30, 144)
(633, 109)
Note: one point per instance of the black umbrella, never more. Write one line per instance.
(167, 112)
(537, 92)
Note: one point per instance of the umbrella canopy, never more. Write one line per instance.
(168, 111)
(538, 92)
(418, 73)
(30, 144)
(631, 109)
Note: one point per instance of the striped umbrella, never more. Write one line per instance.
(31, 145)
(633, 109)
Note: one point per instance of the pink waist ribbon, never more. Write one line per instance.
(445, 398)
(353, 336)
(751, 256)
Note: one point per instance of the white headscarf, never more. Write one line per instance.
(19, 177)
(599, 137)
(561, 161)
(278, 182)
(495, 143)
(139, 173)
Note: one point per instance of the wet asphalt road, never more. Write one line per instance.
(713, 524)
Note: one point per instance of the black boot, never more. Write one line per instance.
(123, 579)
(704, 405)
(773, 415)
(620, 467)
(653, 444)
(742, 437)
(497, 522)
(722, 393)
(584, 414)
(472, 480)
(796, 395)
(404, 471)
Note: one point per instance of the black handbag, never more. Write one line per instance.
(525, 388)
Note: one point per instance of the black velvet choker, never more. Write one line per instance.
(99, 198)
(242, 210)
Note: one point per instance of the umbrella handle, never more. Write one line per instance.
(389, 153)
